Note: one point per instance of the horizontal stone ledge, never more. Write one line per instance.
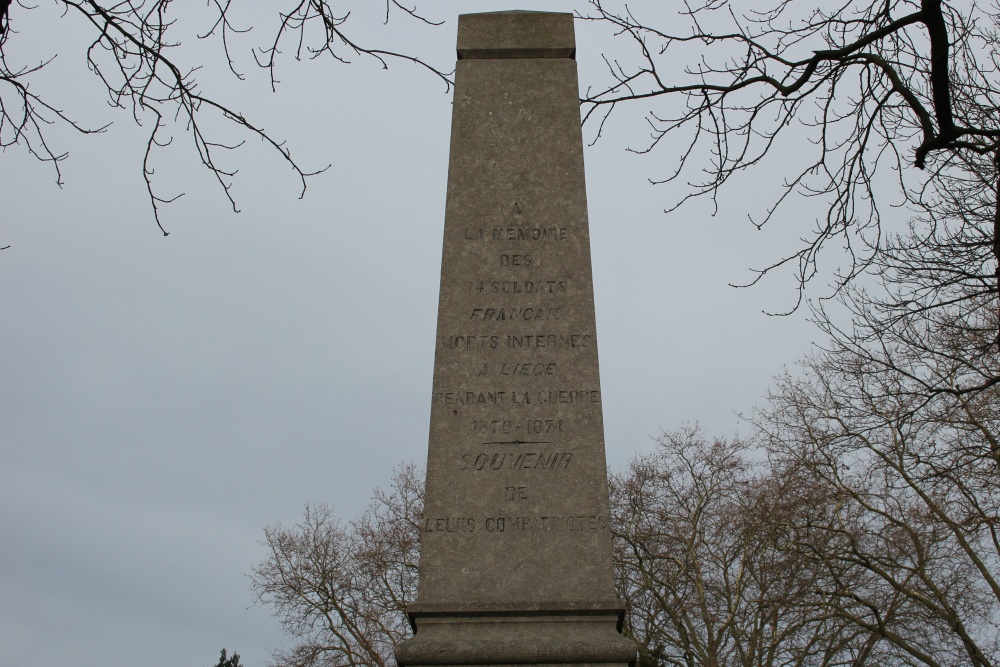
(415, 651)
(518, 34)
(517, 607)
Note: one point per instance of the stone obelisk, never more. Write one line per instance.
(515, 564)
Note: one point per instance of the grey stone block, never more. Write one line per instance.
(519, 34)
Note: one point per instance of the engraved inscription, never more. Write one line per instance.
(502, 314)
(498, 397)
(549, 340)
(508, 426)
(513, 524)
(530, 234)
(564, 396)
(523, 370)
(450, 525)
(490, 397)
(518, 524)
(470, 342)
(516, 260)
(516, 341)
(497, 461)
(511, 493)
(518, 286)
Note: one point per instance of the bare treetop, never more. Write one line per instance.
(876, 88)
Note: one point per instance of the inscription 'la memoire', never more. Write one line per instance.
(518, 234)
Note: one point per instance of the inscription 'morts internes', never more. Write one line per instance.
(515, 564)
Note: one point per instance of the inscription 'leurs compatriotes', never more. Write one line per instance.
(517, 524)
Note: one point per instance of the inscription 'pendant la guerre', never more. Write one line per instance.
(515, 564)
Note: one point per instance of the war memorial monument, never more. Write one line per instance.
(515, 564)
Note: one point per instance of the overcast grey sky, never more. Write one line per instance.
(162, 399)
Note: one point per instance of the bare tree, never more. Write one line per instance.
(902, 428)
(136, 52)
(888, 101)
(340, 590)
(857, 543)
(705, 565)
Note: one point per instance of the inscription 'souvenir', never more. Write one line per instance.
(499, 461)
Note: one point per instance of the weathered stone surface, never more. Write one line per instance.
(516, 35)
(516, 548)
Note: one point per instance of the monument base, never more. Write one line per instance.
(558, 633)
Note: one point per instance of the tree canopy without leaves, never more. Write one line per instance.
(876, 104)
(889, 102)
(856, 106)
(139, 58)
(843, 532)
(340, 589)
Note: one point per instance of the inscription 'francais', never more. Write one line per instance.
(503, 314)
